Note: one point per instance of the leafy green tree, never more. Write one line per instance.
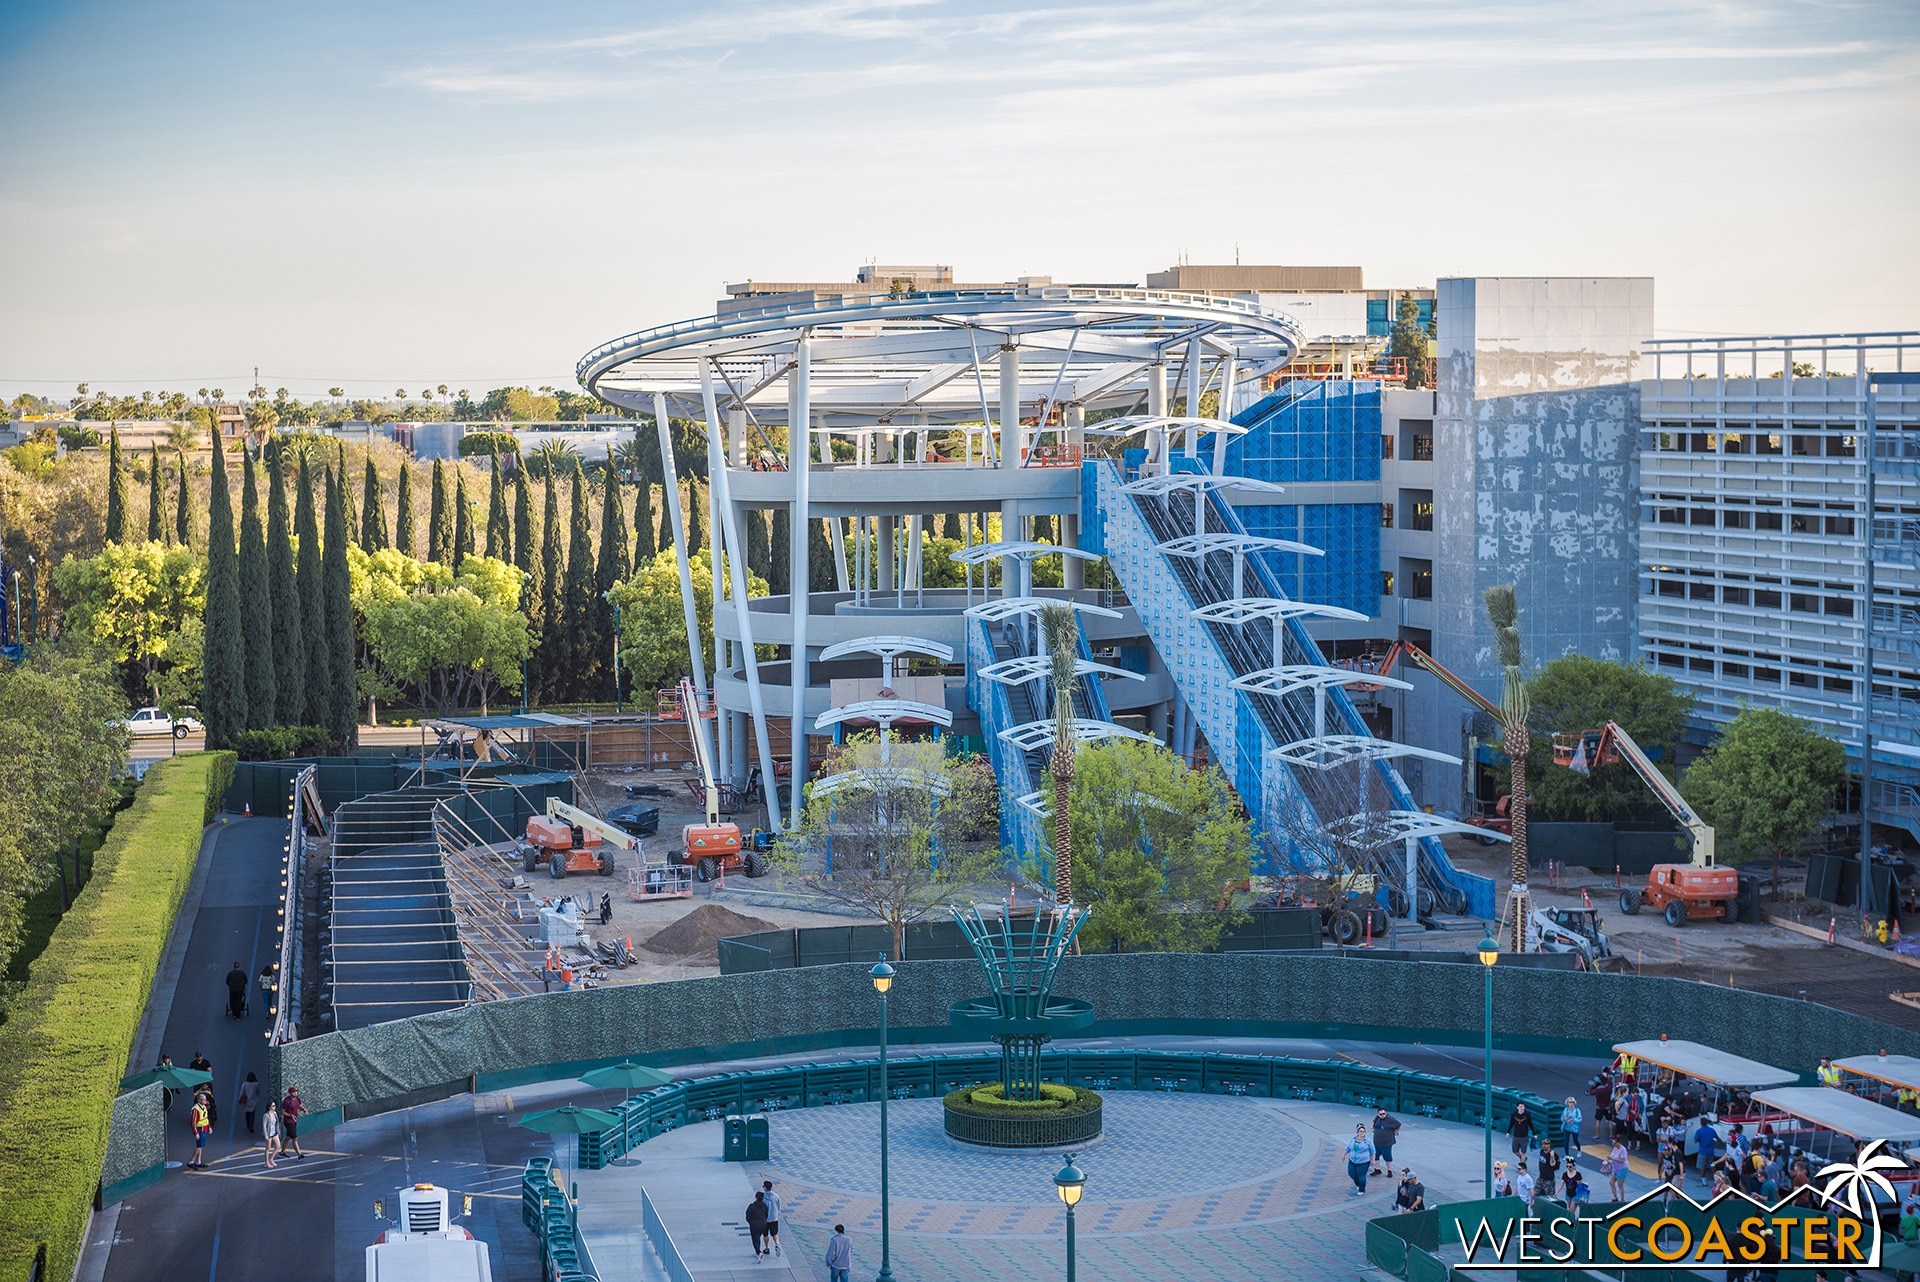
(439, 520)
(133, 600)
(156, 497)
(577, 643)
(553, 457)
(373, 519)
(1410, 341)
(224, 679)
(643, 525)
(653, 628)
(346, 495)
(781, 554)
(462, 519)
(821, 575)
(1766, 785)
(499, 533)
(289, 639)
(317, 678)
(1158, 841)
(119, 488)
(1575, 693)
(403, 519)
(256, 594)
(336, 589)
(457, 639)
(183, 513)
(890, 840)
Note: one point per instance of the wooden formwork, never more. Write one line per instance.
(649, 743)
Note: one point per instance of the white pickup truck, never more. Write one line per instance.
(152, 721)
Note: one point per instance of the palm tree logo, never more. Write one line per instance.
(1847, 1182)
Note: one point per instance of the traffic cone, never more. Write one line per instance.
(249, 810)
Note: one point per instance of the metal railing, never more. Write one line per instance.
(288, 970)
(1024, 1132)
(661, 1241)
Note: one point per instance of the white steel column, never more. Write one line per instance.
(669, 474)
(737, 436)
(1073, 571)
(1157, 407)
(737, 570)
(1227, 372)
(1013, 435)
(799, 560)
(1193, 395)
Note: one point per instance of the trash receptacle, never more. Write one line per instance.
(757, 1138)
(733, 1142)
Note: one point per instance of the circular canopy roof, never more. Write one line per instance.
(888, 359)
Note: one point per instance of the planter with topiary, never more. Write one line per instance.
(1060, 1117)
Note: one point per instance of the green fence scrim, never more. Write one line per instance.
(136, 1144)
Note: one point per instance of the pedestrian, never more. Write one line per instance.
(1569, 1180)
(1359, 1159)
(266, 986)
(1502, 1183)
(1520, 1129)
(202, 1127)
(1385, 1127)
(1549, 1169)
(839, 1255)
(270, 1133)
(250, 1099)
(1828, 1074)
(166, 1092)
(290, 1110)
(1581, 1195)
(200, 1063)
(1523, 1183)
(1571, 1119)
(1705, 1140)
(757, 1225)
(773, 1215)
(237, 991)
(1615, 1169)
(1412, 1195)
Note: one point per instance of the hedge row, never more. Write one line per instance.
(71, 1030)
(1060, 1101)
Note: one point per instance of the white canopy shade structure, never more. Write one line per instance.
(1222, 541)
(986, 551)
(1159, 427)
(1243, 610)
(889, 648)
(1198, 485)
(1003, 608)
(1289, 677)
(1832, 1110)
(882, 777)
(884, 712)
(1031, 667)
(1893, 1070)
(1331, 750)
(1403, 825)
(1704, 1063)
(1038, 734)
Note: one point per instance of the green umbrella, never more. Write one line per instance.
(628, 1075)
(1901, 1256)
(168, 1075)
(570, 1120)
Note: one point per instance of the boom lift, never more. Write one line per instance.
(1494, 816)
(571, 839)
(1680, 892)
(712, 847)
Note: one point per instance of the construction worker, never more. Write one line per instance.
(1829, 1075)
(1907, 1100)
(1629, 1066)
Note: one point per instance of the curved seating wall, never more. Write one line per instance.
(557, 1035)
(925, 1077)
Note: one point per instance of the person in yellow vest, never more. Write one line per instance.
(202, 1127)
(1907, 1100)
(1829, 1075)
(1629, 1066)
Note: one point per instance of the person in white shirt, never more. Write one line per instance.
(1523, 1183)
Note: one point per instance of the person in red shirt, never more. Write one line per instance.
(290, 1110)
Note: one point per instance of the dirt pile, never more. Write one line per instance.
(696, 937)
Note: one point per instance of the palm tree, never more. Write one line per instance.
(559, 456)
(1861, 1176)
(1060, 636)
(1503, 612)
(442, 389)
(336, 392)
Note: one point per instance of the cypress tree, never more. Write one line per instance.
(759, 552)
(696, 523)
(257, 618)
(577, 606)
(316, 668)
(525, 553)
(346, 496)
(666, 525)
(183, 512)
(643, 545)
(462, 519)
(119, 495)
(373, 518)
(820, 572)
(156, 498)
(337, 591)
(782, 552)
(289, 640)
(1043, 529)
(549, 574)
(223, 699)
(612, 566)
(499, 534)
(403, 519)
(439, 520)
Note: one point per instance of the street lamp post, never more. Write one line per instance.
(1071, 1183)
(1489, 954)
(882, 976)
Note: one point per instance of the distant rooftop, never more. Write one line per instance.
(1193, 278)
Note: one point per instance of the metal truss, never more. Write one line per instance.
(1240, 544)
(1000, 609)
(1408, 825)
(1324, 752)
(1038, 734)
(1246, 609)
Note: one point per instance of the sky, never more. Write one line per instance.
(390, 195)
